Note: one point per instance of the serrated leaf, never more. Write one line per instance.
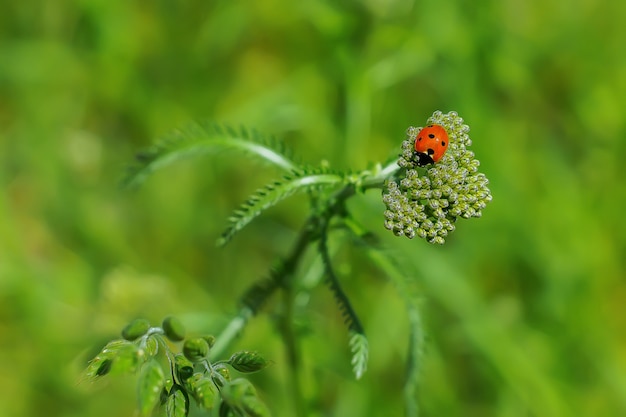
(360, 353)
(149, 386)
(247, 361)
(398, 272)
(358, 341)
(274, 193)
(203, 390)
(204, 139)
(177, 404)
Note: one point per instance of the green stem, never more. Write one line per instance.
(232, 330)
(292, 350)
(284, 278)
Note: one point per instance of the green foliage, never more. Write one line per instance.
(272, 194)
(328, 192)
(247, 362)
(203, 390)
(522, 309)
(360, 352)
(183, 367)
(204, 139)
(118, 356)
(241, 398)
(177, 404)
(149, 386)
(208, 383)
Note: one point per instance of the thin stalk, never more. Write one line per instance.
(292, 350)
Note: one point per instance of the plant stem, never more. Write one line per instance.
(309, 233)
(292, 350)
(231, 331)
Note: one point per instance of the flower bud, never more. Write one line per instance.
(135, 329)
(174, 329)
(426, 201)
(196, 349)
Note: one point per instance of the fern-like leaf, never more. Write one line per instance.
(360, 353)
(275, 192)
(358, 340)
(204, 139)
(400, 273)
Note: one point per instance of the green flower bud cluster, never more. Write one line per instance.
(425, 202)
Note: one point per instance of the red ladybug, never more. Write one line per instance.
(430, 144)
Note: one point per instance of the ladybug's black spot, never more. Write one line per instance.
(430, 135)
(419, 138)
(430, 151)
(443, 143)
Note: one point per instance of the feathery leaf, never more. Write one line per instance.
(273, 193)
(358, 340)
(203, 139)
(400, 273)
(360, 353)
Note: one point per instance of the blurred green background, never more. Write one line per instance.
(524, 308)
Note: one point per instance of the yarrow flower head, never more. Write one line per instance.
(426, 201)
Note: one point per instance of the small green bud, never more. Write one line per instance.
(174, 329)
(246, 361)
(135, 329)
(223, 372)
(184, 367)
(210, 339)
(196, 349)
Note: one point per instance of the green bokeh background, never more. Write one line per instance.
(524, 308)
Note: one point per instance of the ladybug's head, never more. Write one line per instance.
(423, 158)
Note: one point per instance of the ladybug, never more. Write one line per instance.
(430, 144)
